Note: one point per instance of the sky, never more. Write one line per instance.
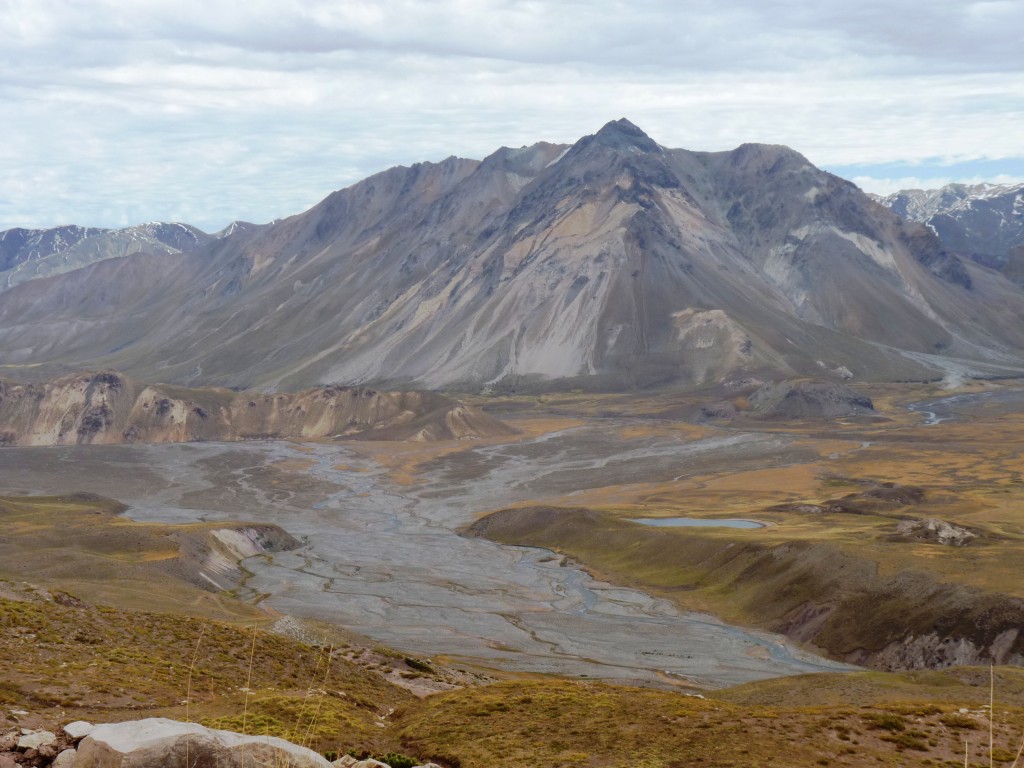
(118, 112)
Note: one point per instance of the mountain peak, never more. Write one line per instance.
(622, 134)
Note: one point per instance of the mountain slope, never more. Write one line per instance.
(613, 263)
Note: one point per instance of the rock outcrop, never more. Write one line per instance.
(934, 530)
(108, 407)
(163, 743)
(809, 400)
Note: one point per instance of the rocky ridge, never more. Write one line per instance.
(108, 407)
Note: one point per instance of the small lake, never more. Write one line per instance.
(696, 522)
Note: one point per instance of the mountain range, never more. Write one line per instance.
(983, 222)
(611, 263)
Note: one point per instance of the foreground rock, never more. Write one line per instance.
(36, 739)
(163, 743)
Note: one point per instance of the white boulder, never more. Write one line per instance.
(36, 739)
(78, 730)
(163, 743)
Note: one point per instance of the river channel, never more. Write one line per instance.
(385, 559)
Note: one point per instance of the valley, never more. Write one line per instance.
(384, 559)
(380, 554)
(394, 551)
(419, 456)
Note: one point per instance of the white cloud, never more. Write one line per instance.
(888, 185)
(214, 111)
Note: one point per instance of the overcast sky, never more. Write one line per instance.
(123, 111)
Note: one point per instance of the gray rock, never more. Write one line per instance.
(7, 761)
(163, 743)
(804, 399)
(47, 752)
(370, 763)
(78, 730)
(345, 761)
(36, 739)
(936, 531)
(65, 759)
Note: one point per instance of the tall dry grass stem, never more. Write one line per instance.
(248, 680)
(309, 692)
(188, 691)
(320, 699)
(1019, 751)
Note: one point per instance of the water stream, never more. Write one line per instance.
(385, 559)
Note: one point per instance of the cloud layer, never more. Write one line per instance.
(126, 111)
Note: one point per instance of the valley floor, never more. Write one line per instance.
(382, 557)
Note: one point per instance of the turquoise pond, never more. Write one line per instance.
(696, 522)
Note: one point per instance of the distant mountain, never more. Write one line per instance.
(984, 222)
(26, 254)
(238, 227)
(612, 263)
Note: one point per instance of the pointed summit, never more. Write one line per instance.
(619, 147)
(622, 134)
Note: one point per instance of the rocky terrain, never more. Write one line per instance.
(808, 400)
(613, 263)
(108, 407)
(160, 741)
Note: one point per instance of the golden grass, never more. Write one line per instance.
(102, 664)
(79, 544)
(561, 723)
(971, 470)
